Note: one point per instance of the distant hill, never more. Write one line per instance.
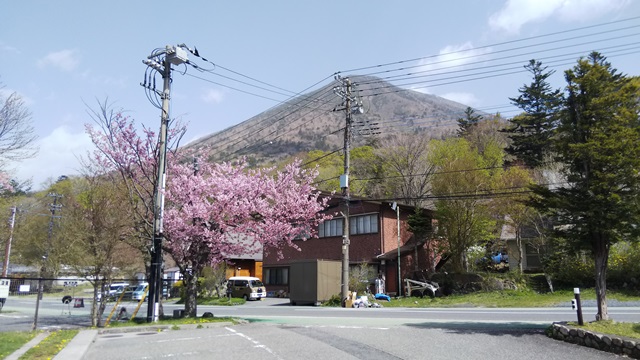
(314, 121)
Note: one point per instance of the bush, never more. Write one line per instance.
(360, 277)
(623, 270)
(333, 301)
(624, 266)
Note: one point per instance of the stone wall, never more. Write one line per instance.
(611, 343)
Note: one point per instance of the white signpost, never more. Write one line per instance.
(4, 291)
(4, 288)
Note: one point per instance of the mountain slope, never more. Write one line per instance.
(315, 121)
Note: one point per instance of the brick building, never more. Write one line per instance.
(373, 240)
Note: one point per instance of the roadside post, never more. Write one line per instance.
(4, 291)
(578, 305)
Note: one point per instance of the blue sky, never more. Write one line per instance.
(59, 55)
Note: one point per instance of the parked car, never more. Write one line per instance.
(114, 291)
(139, 291)
(247, 287)
(128, 293)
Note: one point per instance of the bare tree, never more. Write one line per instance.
(16, 131)
(94, 230)
(405, 160)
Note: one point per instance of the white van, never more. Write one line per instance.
(140, 291)
(246, 287)
(114, 291)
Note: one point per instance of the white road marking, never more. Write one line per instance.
(255, 342)
(191, 338)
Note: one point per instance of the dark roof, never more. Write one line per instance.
(393, 254)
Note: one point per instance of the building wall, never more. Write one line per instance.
(244, 267)
(527, 254)
(390, 228)
(363, 248)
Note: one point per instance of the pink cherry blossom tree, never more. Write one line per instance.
(229, 209)
(223, 210)
(122, 152)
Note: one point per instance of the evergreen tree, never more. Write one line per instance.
(598, 142)
(531, 131)
(465, 123)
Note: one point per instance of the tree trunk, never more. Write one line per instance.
(191, 294)
(601, 254)
(94, 305)
(97, 307)
(457, 263)
(519, 246)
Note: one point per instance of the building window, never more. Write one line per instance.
(532, 257)
(276, 276)
(330, 228)
(363, 224)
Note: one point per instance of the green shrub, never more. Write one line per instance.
(333, 301)
(570, 270)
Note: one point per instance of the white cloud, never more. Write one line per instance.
(4, 48)
(468, 99)
(453, 57)
(213, 96)
(517, 13)
(65, 60)
(446, 65)
(57, 156)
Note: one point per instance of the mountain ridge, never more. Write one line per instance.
(316, 120)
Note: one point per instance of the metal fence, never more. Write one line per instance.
(66, 302)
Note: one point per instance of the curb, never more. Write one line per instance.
(78, 346)
(155, 328)
(609, 343)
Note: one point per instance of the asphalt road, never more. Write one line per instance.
(274, 341)
(276, 330)
(18, 314)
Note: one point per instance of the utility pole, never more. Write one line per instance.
(45, 258)
(395, 206)
(7, 248)
(161, 61)
(344, 91)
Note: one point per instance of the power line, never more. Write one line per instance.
(450, 80)
(297, 106)
(412, 76)
(482, 77)
(489, 46)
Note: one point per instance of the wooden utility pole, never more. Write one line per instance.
(45, 257)
(7, 248)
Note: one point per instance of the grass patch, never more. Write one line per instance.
(506, 299)
(51, 345)
(221, 301)
(631, 330)
(214, 300)
(168, 320)
(13, 340)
